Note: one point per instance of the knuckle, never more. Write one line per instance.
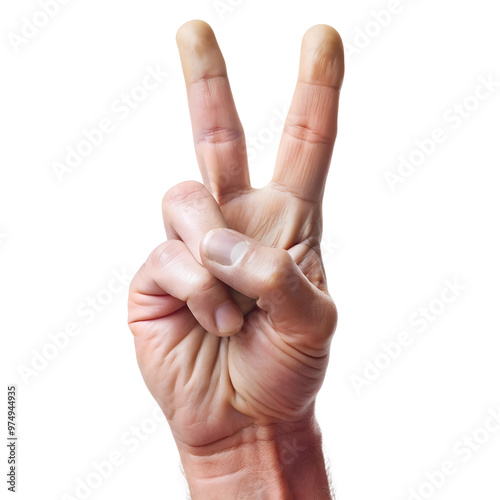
(219, 135)
(206, 291)
(281, 269)
(207, 283)
(329, 318)
(322, 314)
(187, 192)
(300, 130)
(163, 255)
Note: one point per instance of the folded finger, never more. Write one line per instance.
(305, 315)
(172, 270)
(189, 212)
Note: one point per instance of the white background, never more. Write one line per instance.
(387, 252)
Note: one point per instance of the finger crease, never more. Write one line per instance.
(305, 134)
(219, 135)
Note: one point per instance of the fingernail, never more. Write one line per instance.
(228, 318)
(224, 247)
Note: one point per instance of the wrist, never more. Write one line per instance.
(275, 462)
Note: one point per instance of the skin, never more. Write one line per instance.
(235, 353)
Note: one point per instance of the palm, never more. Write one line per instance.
(211, 387)
(252, 376)
(265, 214)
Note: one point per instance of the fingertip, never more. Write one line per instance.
(323, 32)
(199, 51)
(228, 319)
(195, 30)
(322, 56)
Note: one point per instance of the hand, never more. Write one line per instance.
(231, 315)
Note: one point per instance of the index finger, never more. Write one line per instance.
(217, 130)
(311, 125)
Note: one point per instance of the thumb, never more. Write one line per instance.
(305, 315)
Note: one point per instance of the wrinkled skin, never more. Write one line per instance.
(213, 384)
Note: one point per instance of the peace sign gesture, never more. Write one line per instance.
(231, 315)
